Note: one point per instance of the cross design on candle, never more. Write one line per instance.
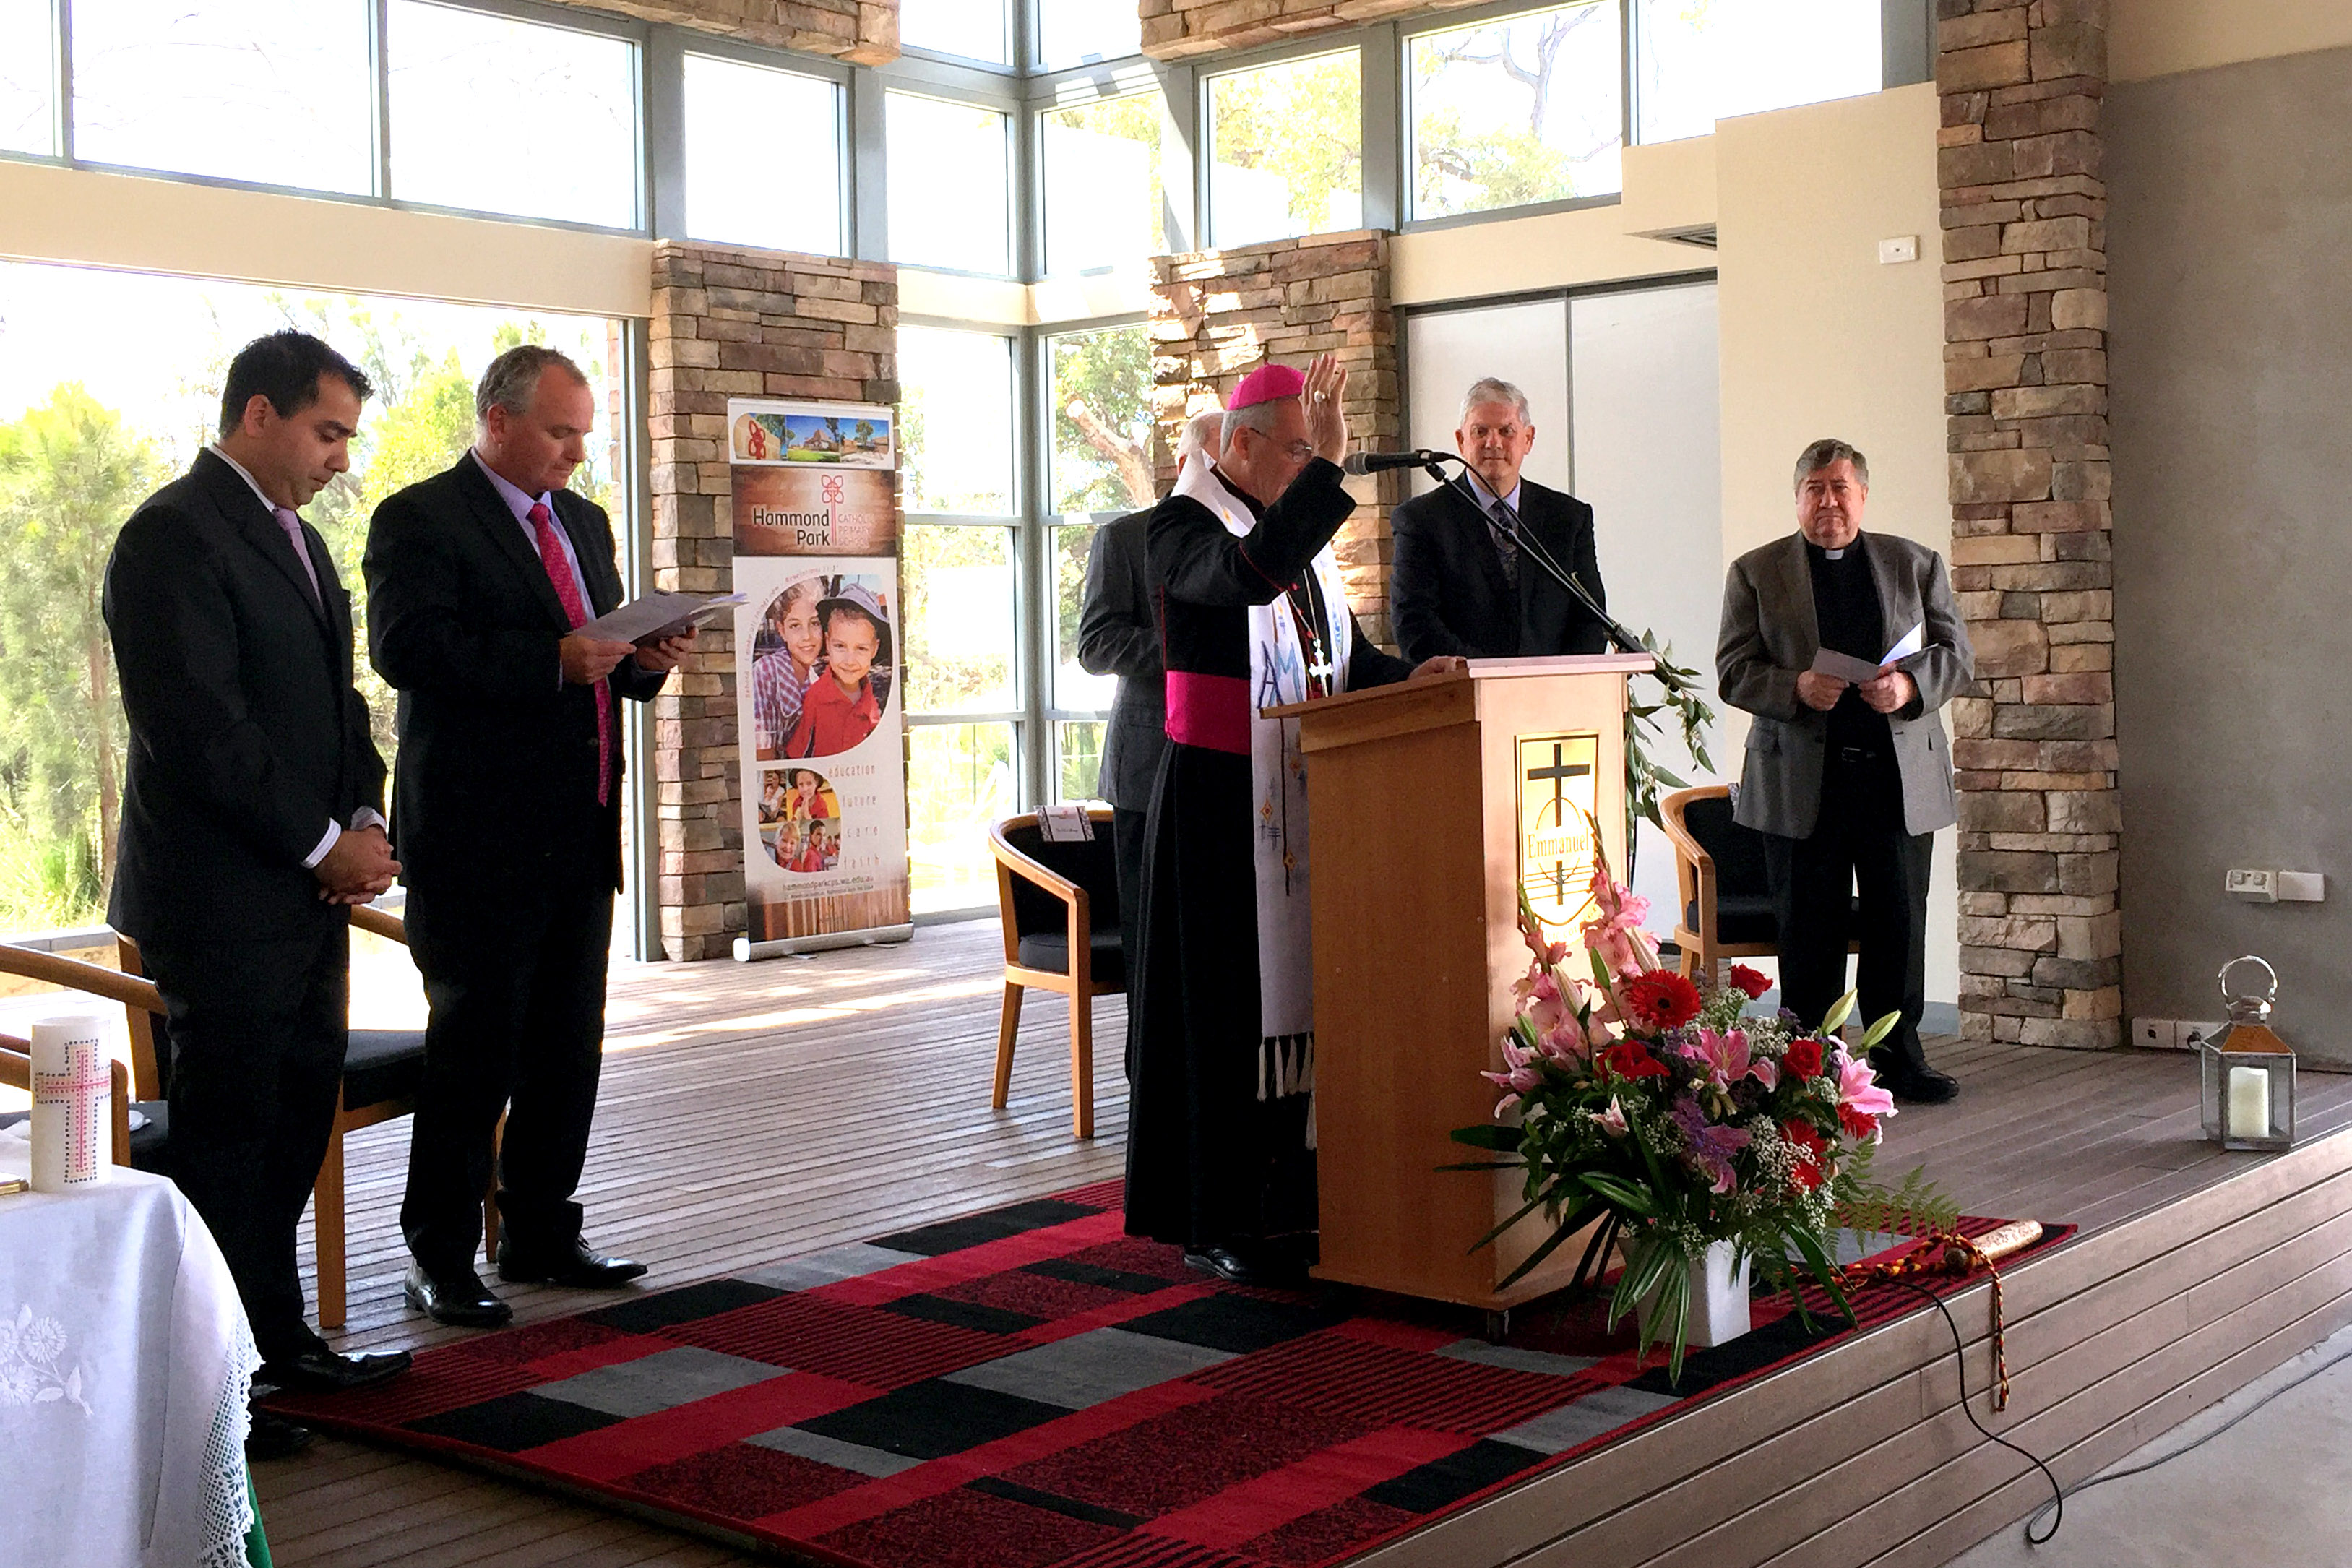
(80, 1090)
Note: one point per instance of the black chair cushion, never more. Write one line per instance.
(383, 1064)
(150, 1145)
(1050, 951)
(1748, 917)
(1092, 864)
(1743, 887)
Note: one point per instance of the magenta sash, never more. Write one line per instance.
(1209, 710)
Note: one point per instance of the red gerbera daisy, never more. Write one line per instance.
(1659, 999)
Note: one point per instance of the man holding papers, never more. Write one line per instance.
(1846, 646)
(506, 812)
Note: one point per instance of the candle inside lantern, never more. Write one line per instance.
(2249, 1103)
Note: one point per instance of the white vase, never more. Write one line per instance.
(1718, 1297)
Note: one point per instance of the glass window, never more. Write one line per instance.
(1103, 202)
(1698, 63)
(1286, 150)
(973, 28)
(1078, 759)
(471, 125)
(109, 386)
(960, 782)
(955, 421)
(1075, 691)
(28, 78)
(270, 90)
(1072, 32)
(1524, 110)
(763, 156)
(1102, 420)
(960, 617)
(948, 185)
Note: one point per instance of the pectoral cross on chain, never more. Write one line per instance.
(1560, 773)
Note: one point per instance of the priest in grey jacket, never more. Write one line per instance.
(1848, 781)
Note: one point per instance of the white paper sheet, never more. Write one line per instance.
(657, 615)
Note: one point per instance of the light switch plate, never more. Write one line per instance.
(1895, 251)
(2303, 887)
(2254, 885)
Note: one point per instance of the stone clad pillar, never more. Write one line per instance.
(2025, 318)
(731, 322)
(1216, 315)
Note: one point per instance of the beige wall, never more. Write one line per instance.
(2157, 38)
(85, 218)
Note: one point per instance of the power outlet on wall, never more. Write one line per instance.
(2155, 1034)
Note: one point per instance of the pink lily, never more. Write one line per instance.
(1861, 1104)
(1612, 1120)
(1519, 1077)
(1728, 1060)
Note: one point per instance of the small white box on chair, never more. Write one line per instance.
(73, 1104)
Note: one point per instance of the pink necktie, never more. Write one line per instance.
(293, 527)
(567, 591)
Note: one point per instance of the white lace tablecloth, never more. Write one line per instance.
(125, 1363)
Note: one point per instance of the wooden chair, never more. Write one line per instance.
(1060, 906)
(383, 1071)
(1726, 905)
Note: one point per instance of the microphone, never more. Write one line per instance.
(1361, 463)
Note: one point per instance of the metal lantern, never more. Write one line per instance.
(2247, 1100)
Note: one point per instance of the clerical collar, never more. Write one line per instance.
(1839, 553)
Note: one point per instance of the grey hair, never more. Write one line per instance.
(1258, 416)
(1825, 451)
(1204, 434)
(1493, 389)
(513, 377)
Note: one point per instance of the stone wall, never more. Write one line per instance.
(730, 322)
(2025, 318)
(1217, 315)
(1179, 29)
(862, 32)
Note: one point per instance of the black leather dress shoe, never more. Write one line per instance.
(1914, 1081)
(1246, 1264)
(459, 1300)
(322, 1370)
(572, 1265)
(274, 1437)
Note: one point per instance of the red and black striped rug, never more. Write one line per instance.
(1029, 1387)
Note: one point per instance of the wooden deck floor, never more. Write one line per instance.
(752, 1112)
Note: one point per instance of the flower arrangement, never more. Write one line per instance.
(1633, 1100)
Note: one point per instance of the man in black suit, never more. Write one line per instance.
(1119, 634)
(1461, 583)
(507, 809)
(251, 820)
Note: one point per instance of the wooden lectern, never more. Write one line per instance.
(1427, 805)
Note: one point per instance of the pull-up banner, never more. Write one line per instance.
(820, 708)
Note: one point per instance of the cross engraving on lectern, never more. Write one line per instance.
(1558, 772)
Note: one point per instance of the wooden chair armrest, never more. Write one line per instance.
(1028, 869)
(74, 975)
(378, 923)
(16, 1072)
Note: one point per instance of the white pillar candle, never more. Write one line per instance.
(2249, 1103)
(73, 1105)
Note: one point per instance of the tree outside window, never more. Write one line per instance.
(1510, 113)
(1286, 150)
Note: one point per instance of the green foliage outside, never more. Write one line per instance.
(1134, 117)
(1460, 167)
(1102, 421)
(1302, 120)
(71, 472)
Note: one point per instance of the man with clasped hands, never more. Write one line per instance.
(507, 812)
(1848, 782)
(250, 823)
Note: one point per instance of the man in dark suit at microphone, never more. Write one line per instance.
(1462, 582)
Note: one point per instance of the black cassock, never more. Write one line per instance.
(1208, 1162)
